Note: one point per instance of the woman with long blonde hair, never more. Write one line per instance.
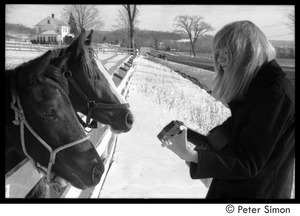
(256, 159)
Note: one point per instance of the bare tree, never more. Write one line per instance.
(86, 16)
(192, 27)
(122, 26)
(127, 20)
(291, 23)
(156, 38)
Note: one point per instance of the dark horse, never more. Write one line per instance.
(42, 125)
(92, 92)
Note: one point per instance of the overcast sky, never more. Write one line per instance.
(271, 19)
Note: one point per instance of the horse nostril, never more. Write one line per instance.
(129, 120)
(97, 173)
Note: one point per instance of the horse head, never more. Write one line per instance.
(57, 141)
(92, 91)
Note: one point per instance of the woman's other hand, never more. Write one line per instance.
(178, 145)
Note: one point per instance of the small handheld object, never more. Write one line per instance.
(170, 130)
(216, 139)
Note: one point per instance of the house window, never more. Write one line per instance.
(48, 21)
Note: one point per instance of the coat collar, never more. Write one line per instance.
(267, 74)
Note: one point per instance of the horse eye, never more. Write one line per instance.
(48, 113)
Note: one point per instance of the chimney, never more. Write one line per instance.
(52, 15)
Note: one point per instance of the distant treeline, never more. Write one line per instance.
(18, 28)
(159, 40)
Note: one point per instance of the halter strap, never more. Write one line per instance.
(91, 104)
(21, 120)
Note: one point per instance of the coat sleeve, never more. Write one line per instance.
(256, 140)
(225, 127)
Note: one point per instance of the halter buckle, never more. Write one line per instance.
(67, 74)
(91, 104)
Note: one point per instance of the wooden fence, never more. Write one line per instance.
(23, 46)
(20, 180)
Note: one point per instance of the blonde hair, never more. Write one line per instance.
(248, 48)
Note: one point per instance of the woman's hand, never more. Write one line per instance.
(178, 145)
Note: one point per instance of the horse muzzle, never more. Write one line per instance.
(91, 180)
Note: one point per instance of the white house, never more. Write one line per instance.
(51, 29)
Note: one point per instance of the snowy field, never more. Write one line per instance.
(141, 168)
(176, 97)
(15, 58)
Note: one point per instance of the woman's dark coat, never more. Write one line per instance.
(258, 161)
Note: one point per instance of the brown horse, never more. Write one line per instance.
(42, 125)
(92, 91)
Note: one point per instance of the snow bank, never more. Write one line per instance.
(177, 98)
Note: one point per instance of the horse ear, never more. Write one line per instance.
(90, 38)
(77, 44)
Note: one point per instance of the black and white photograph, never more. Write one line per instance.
(141, 102)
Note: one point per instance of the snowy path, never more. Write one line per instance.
(141, 167)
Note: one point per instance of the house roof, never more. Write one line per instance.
(53, 21)
(49, 32)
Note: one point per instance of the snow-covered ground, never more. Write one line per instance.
(141, 168)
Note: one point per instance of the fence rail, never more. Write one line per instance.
(23, 46)
(20, 180)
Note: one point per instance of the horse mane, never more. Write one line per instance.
(89, 62)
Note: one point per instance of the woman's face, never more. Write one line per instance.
(223, 58)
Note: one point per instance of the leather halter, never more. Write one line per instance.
(21, 120)
(91, 104)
